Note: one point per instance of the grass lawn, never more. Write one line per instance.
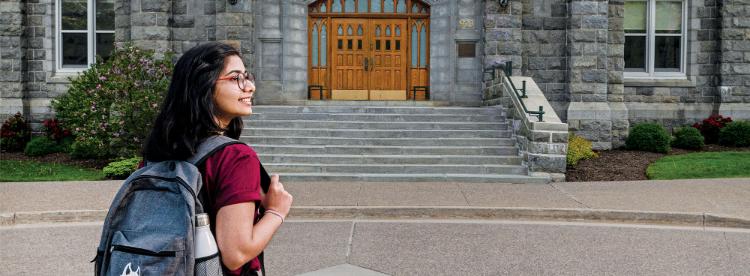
(19, 171)
(701, 165)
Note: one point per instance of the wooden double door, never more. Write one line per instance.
(368, 59)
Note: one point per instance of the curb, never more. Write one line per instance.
(429, 212)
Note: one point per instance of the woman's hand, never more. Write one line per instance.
(277, 198)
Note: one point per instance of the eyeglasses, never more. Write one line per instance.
(240, 79)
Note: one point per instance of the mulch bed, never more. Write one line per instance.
(59, 157)
(624, 165)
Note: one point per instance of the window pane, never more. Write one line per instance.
(349, 6)
(415, 8)
(375, 6)
(341, 30)
(398, 45)
(362, 6)
(401, 6)
(105, 43)
(377, 31)
(635, 17)
(105, 15)
(74, 15)
(323, 46)
(315, 46)
(74, 51)
(336, 7)
(667, 53)
(668, 17)
(388, 31)
(414, 45)
(388, 45)
(388, 6)
(359, 44)
(377, 44)
(341, 44)
(398, 31)
(349, 44)
(323, 7)
(423, 47)
(349, 30)
(635, 53)
(359, 30)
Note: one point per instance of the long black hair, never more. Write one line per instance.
(187, 113)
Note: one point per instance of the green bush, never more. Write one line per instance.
(113, 104)
(688, 138)
(735, 134)
(122, 169)
(15, 133)
(578, 148)
(87, 148)
(648, 137)
(42, 145)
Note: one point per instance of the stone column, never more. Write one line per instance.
(234, 26)
(11, 58)
(615, 68)
(589, 113)
(149, 25)
(502, 34)
(268, 48)
(735, 59)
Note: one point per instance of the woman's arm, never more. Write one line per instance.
(237, 238)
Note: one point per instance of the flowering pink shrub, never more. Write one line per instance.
(711, 127)
(110, 107)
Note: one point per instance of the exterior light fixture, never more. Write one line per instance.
(503, 3)
(234, 2)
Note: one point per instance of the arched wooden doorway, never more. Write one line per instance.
(368, 50)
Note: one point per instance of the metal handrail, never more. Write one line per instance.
(507, 68)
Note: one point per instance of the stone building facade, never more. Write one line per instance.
(579, 52)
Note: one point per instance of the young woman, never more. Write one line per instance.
(209, 94)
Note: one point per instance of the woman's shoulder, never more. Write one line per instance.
(236, 151)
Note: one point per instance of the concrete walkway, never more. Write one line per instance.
(707, 202)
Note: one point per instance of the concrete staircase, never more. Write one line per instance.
(343, 141)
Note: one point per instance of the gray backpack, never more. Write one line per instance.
(151, 223)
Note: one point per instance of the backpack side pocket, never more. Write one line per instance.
(136, 253)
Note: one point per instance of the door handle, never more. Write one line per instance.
(366, 64)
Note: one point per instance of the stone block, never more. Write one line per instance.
(155, 6)
(184, 21)
(578, 35)
(546, 163)
(150, 33)
(583, 8)
(554, 23)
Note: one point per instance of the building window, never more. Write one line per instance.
(655, 38)
(85, 29)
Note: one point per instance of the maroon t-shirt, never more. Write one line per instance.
(230, 176)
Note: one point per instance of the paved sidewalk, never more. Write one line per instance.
(706, 202)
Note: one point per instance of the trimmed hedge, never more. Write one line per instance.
(688, 138)
(648, 137)
(735, 134)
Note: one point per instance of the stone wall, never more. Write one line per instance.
(503, 38)
(12, 54)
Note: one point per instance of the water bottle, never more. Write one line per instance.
(205, 244)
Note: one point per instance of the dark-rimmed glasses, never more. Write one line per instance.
(241, 79)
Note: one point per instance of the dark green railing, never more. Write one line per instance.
(507, 68)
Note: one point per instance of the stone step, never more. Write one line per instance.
(389, 159)
(378, 110)
(261, 138)
(356, 177)
(384, 150)
(358, 117)
(249, 124)
(284, 168)
(375, 134)
(368, 103)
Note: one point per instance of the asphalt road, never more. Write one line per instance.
(431, 247)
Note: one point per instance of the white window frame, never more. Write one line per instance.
(90, 37)
(650, 50)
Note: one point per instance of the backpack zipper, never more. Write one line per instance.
(179, 180)
(139, 251)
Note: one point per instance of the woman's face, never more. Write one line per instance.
(230, 100)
